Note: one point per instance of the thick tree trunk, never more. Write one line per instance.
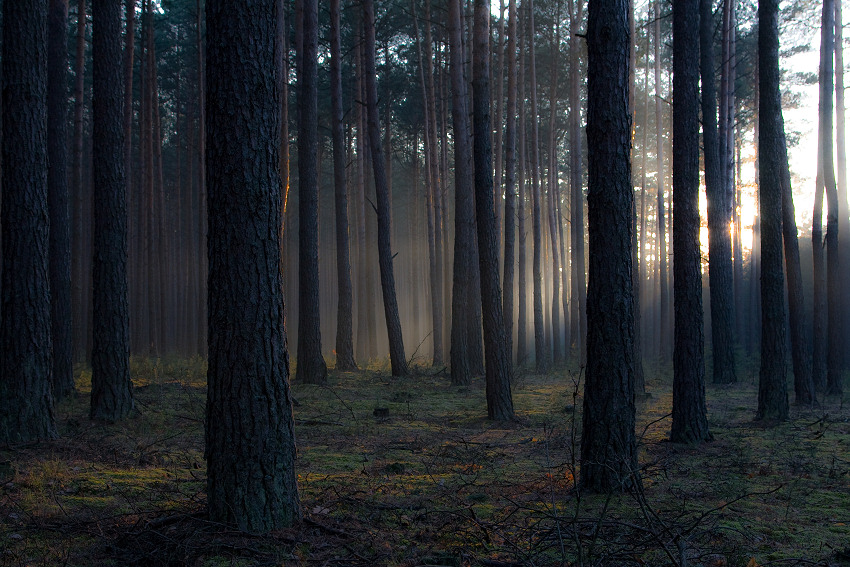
(689, 413)
(773, 396)
(111, 394)
(310, 367)
(26, 403)
(719, 244)
(58, 199)
(608, 448)
(250, 444)
(344, 329)
(382, 198)
(579, 287)
(497, 357)
(841, 174)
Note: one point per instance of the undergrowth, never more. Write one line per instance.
(428, 480)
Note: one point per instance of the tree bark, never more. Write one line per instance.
(719, 243)
(608, 448)
(111, 394)
(579, 287)
(344, 329)
(310, 368)
(510, 179)
(26, 403)
(497, 358)
(689, 413)
(663, 300)
(841, 173)
(250, 444)
(773, 396)
(382, 198)
(78, 265)
(58, 199)
(522, 287)
(558, 354)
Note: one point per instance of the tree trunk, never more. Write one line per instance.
(310, 367)
(773, 396)
(608, 448)
(382, 198)
(841, 173)
(111, 394)
(464, 252)
(719, 243)
(497, 358)
(78, 264)
(833, 265)
(818, 275)
(344, 329)
(510, 179)
(250, 444)
(541, 357)
(579, 287)
(689, 414)
(26, 403)
(58, 201)
(522, 248)
(663, 299)
(558, 355)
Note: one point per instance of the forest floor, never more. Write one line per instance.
(432, 482)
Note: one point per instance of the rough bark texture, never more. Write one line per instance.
(58, 198)
(111, 393)
(689, 414)
(608, 449)
(464, 251)
(250, 444)
(773, 395)
(579, 289)
(497, 363)
(344, 329)
(382, 198)
(310, 365)
(719, 236)
(78, 263)
(26, 403)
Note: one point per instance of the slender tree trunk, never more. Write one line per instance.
(690, 424)
(608, 447)
(579, 287)
(78, 265)
(720, 249)
(663, 300)
(202, 184)
(510, 178)
(111, 394)
(773, 396)
(819, 275)
(385, 256)
(833, 265)
(498, 137)
(250, 444)
(841, 170)
(558, 355)
(498, 362)
(541, 357)
(26, 403)
(58, 201)
(344, 330)
(522, 288)
(311, 367)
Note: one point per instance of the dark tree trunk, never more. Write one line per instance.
(720, 246)
(111, 393)
(26, 403)
(344, 330)
(310, 367)
(558, 353)
(382, 198)
(250, 444)
(689, 414)
(497, 358)
(833, 265)
(464, 256)
(773, 395)
(541, 357)
(663, 299)
(510, 179)
(58, 199)
(522, 287)
(818, 275)
(841, 174)
(608, 448)
(79, 274)
(579, 288)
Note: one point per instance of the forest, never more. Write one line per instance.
(423, 282)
